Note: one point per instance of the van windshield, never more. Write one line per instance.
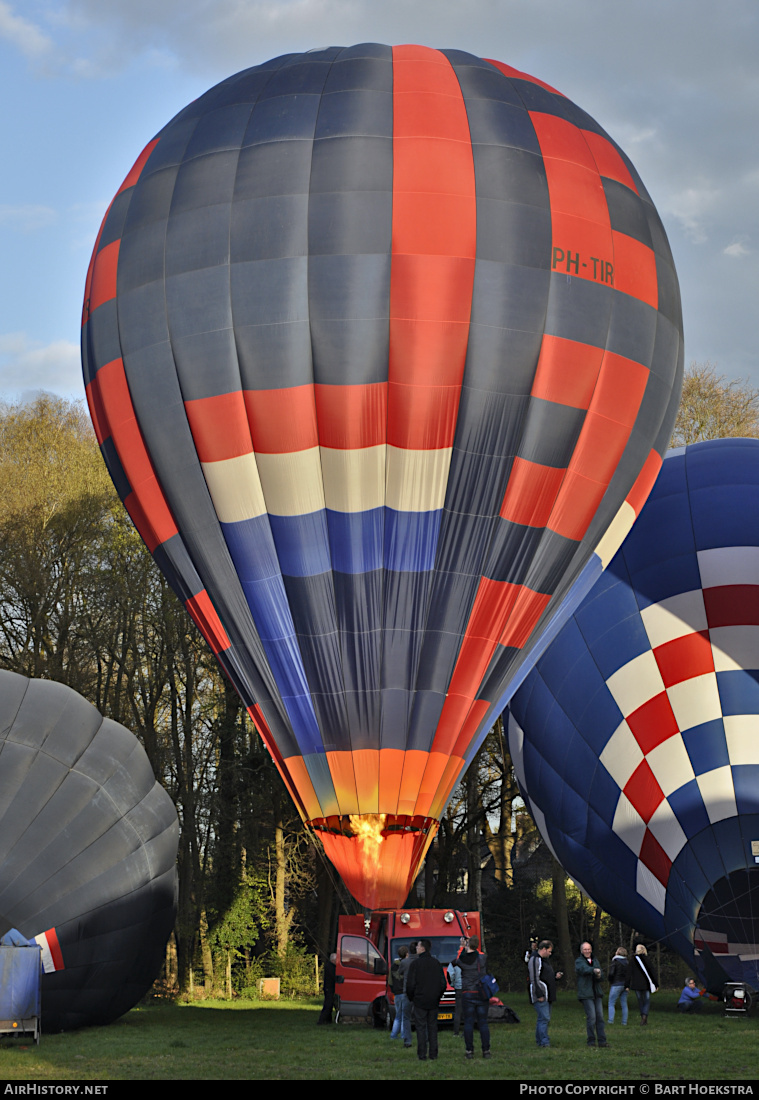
(444, 948)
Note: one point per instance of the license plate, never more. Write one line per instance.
(445, 1015)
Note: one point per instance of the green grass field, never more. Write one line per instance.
(271, 1041)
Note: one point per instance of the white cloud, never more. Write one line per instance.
(693, 208)
(25, 35)
(737, 248)
(28, 218)
(27, 365)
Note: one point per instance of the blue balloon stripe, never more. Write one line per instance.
(300, 709)
(347, 542)
(302, 544)
(252, 548)
(411, 540)
(356, 539)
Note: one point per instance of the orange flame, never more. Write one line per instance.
(367, 828)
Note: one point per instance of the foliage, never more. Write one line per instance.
(509, 916)
(295, 969)
(239, 928)
(49, 461)
(712, 407)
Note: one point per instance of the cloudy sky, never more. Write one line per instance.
(86, 83)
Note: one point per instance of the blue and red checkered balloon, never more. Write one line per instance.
(636, 737)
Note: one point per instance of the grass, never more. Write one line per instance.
(279, 1041)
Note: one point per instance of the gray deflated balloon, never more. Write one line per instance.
(88, 846)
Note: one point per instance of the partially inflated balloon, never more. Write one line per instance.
(636, 737)
(382, 346)
(88, 847)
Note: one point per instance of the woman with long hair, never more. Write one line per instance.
(641, 981)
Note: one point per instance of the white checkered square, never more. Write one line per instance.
(649, 887)
(671, 764)
(628, 824)
(635, 683)
(667, 829)
(621, 755)
(742, 736)
(735, 647)
(695, 701)
(674, 617)
(718, 793)
(728, 565)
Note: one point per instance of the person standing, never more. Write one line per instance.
(589, 977)
(330, 974)
(425, 986)
(542, 989)
(405, 966)
(397, 981)
(454, 977)
(641, 981)
(619, 977)
(473, 964)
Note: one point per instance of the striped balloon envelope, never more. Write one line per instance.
(382, 346)
(636, 736)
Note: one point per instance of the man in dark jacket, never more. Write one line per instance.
(402, 1021)
(425, 986)
(325, 1016)
(474, 965)
(619, 980)
(542, 989)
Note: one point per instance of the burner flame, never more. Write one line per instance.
(367, 828)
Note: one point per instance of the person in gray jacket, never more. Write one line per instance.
(589, 994)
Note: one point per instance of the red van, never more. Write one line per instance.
(366, 948)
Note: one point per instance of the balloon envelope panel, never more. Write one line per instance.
(382, 346)
(635, 737)
(88, 846)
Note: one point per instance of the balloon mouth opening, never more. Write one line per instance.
(377, 827)
(728, 920)
(377, 855)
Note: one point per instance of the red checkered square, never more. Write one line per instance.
(653, 722)
(643, 792)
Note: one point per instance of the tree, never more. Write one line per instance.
(712, 407)
(55, 498)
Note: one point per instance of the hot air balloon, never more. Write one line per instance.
(88, 847)
(382, 346)
(635, 738)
